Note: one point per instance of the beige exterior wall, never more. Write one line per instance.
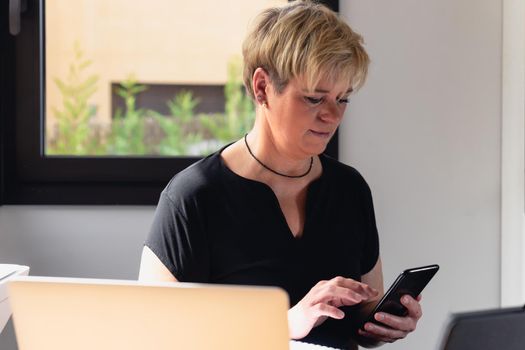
(157, 41)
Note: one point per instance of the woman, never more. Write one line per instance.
(271, 209)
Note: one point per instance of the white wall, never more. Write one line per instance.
(513, 154)
(73, 241)
(424, 131)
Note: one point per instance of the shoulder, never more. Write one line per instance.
(195, 181)
(342, 174)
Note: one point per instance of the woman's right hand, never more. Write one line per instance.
(323, 301)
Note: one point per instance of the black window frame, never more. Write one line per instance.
(27, 176)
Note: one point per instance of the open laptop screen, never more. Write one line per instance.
(501, 329)
(86, 314)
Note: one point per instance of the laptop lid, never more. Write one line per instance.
(499, 329)
(8, 271)
(64, 314)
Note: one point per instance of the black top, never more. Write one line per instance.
(214, 226)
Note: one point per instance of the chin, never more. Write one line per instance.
(316, 145)
(314, 150)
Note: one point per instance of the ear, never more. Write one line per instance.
(261, 82)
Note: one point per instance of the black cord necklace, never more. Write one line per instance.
(273, 171)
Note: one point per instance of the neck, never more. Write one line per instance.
(268, 158)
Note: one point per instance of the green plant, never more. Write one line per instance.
(177, 127)
(181, 130)
(238, 106)
(239, 111)
(127, 128)
(73, 133)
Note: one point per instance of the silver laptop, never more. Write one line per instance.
(8, 271)
(64, 314)
(498, 329)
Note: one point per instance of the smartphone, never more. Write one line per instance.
(411, 282)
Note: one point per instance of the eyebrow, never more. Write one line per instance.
(326, 91)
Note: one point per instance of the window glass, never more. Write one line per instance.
(145, 78)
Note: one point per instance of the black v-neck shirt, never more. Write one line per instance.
(214, 226)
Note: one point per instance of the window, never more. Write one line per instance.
(59, 148)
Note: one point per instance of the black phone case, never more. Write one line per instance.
(411, 282)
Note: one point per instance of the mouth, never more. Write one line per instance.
(320, 134)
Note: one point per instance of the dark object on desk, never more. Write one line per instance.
(500, 329)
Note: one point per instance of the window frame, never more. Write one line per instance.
(27, 176)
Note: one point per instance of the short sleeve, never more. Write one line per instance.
(177, 239)
(370, 252)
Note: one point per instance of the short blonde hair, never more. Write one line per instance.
(307, 40)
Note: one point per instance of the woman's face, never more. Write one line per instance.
(301, 121)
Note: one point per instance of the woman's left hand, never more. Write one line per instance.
(396, 327)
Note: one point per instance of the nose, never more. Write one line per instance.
(332, 112)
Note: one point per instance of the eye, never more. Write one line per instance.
(313, 100)
(343, 100)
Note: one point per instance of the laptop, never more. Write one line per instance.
(68, 313)
(498, 329)
(64, 313)
(8, 271)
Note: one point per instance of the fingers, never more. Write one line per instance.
(339, 296)
(403, 324)
(345, 291)
(407, 323)
(381, 333)
(323, 301)
(323, 309)
(357, 286)
(413, 306)
(395, 327)
(340, 291)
